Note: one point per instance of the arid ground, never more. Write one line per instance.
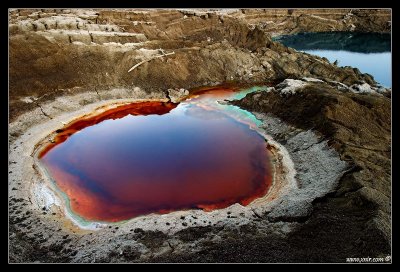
(331, 127)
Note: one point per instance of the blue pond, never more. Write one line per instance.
(369, 52)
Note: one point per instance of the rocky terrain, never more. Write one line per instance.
(58, 52)
(364, 192)
(64, 63)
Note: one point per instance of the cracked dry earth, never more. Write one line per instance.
(331, 126)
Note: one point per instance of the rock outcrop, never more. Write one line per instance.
(364, 142)
(58, 51)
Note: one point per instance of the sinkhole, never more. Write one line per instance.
(158, 157)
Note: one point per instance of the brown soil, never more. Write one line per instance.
(56, 53)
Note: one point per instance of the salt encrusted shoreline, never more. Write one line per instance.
(47, 194)
(283, 206)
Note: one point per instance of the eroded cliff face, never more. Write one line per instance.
(55, 52)
(64, 61)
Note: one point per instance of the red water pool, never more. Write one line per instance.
(154, 157)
